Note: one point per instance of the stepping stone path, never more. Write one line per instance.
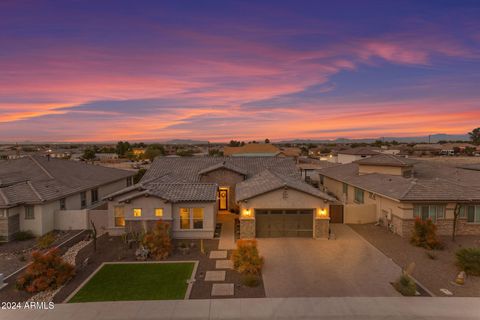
(218, 254)
(215, 276)
(223, 289)
(224, 264)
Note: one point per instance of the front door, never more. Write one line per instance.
(223, 199)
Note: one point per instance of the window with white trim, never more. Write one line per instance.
(29, 213)
(471, 212)
(191, 218)
(429, 211)
(359, 195)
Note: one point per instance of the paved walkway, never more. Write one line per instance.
(346, 267)
(404, 308)
(227, 236)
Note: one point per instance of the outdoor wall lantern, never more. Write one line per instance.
(247, 213)
(322, 212)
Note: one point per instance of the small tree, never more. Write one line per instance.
(94, 236)
(89, 155)
(475, 136)
(425, 234)
(456, 214)
(267, 140)
(158, 241)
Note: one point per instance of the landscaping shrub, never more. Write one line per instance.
(46, 240)
(468, 259)
(24, 235)
(251, 280)
(158, 241)
(431, 255)
(425, 234)
(405, 285)
(246, 258)
(47, 271)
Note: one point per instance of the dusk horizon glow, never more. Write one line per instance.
(93, 71)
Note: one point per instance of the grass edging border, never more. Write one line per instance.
(187, 292)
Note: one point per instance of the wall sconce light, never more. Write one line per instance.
(322, 212)
(247, 213)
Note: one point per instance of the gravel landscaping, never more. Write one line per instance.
(435, 272)
(16, 254)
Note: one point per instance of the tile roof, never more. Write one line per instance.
(34, 179)
(388, 160)
(430, 182)
(224, 165)
(187, 169)
(267, 181)
(359, 151)
(251, 148)
(177, 192)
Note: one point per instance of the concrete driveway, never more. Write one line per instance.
(346, 267)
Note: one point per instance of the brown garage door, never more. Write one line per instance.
(284, 223)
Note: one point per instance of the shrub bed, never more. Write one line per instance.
(425, 235)
(468, 259)
(246, 258)
(47, 271)
(158, 241)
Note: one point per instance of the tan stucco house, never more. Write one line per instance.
(266, 194)
(41, 194)
(394, 191)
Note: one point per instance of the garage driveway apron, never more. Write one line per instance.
(348, 266)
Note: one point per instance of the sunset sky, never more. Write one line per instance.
(221, 70)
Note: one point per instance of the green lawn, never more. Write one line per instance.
(137, 281)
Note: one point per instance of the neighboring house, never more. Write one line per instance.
(188, 192)
(427, 149)
(253, 150)
(138, 151)
(106, 157)
(354, 154)
(394, 191)
(41, 194)
(309, 166)
(291, 152)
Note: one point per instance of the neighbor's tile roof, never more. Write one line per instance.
(34, 179)
(251, 148)
(430, 182)
(224, 165)
(177, 192)
(187, 169)
(360, 151)
(267, 181)
(387, 160)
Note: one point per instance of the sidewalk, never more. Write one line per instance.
(286, 308)
(227, 236)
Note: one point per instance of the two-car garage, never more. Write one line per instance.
(271, 223)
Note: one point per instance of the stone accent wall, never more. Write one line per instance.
(247, 228)
(321, 228)
(404, 227)
(9, 227)
(224, 178)
(141, 225)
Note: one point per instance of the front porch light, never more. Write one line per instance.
(322, 212)
(247, 213)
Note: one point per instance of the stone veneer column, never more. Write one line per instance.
(321, 227)
(247, 228)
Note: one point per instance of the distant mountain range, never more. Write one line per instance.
(434, 138)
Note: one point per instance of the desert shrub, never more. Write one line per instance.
(251, 280)
(468, 259)
(24, 235)
(47, 271)
(46, 240)
(246, 258)
(158, 241)
(425, 234)
(405, 285)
